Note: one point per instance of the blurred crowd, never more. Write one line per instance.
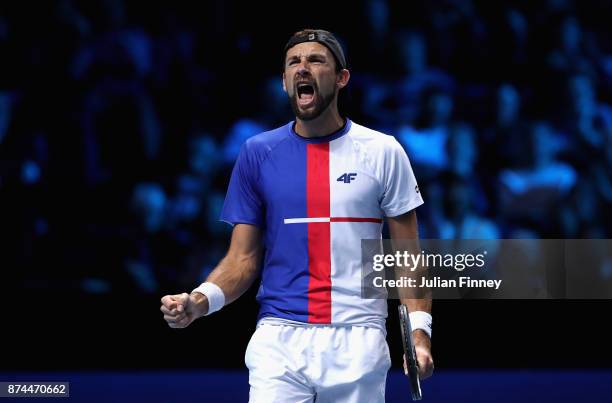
(119, 126)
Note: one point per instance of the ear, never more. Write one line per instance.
(284, 85)
(343, 78)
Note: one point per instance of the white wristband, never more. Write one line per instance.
(421, 320)
(214, 294)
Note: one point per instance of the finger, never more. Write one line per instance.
(182, 300)
(184, 322)
(167, 311)
(426, 371)
(170, 318)
(173, 318)
(168, 301)
(425, 366)
(405, 365)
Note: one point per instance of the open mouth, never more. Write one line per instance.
(305, 93)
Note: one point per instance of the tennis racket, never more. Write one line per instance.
(410, 353)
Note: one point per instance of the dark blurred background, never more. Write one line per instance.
(120, 122)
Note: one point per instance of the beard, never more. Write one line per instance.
(322, 101)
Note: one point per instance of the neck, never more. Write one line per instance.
(326, 123)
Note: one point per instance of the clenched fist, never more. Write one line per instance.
(422, 347)
(181, 309)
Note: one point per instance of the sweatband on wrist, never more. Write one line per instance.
(214, 294)
(421, 320)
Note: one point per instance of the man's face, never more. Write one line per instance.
(310, 79)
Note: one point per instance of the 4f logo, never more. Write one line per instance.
(347, 177)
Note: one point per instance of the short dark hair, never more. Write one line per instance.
(321, 36)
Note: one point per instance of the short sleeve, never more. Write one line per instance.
(400, 190)
(243, 203)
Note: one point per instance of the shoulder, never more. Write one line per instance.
(374, 141)
(262, 144)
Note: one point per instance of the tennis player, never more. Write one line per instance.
(301, 197)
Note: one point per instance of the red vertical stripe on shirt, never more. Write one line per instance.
(319, 243)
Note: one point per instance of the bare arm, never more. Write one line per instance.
(234, 275)
(405, 227)
(240, 267)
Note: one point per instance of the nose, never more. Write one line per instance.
(302, 70)
(303, 67)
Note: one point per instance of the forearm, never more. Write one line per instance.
(421, 302)
(405, 237)
(417, 299)
(417, 304)
(420, 298)
(236, 271)
(234, 275)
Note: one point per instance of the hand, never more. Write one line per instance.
(422, 347)
(181, 309)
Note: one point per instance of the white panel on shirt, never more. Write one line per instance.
(384, 185)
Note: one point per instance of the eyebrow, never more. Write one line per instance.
(310, 56)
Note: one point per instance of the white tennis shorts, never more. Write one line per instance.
(296, 364)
